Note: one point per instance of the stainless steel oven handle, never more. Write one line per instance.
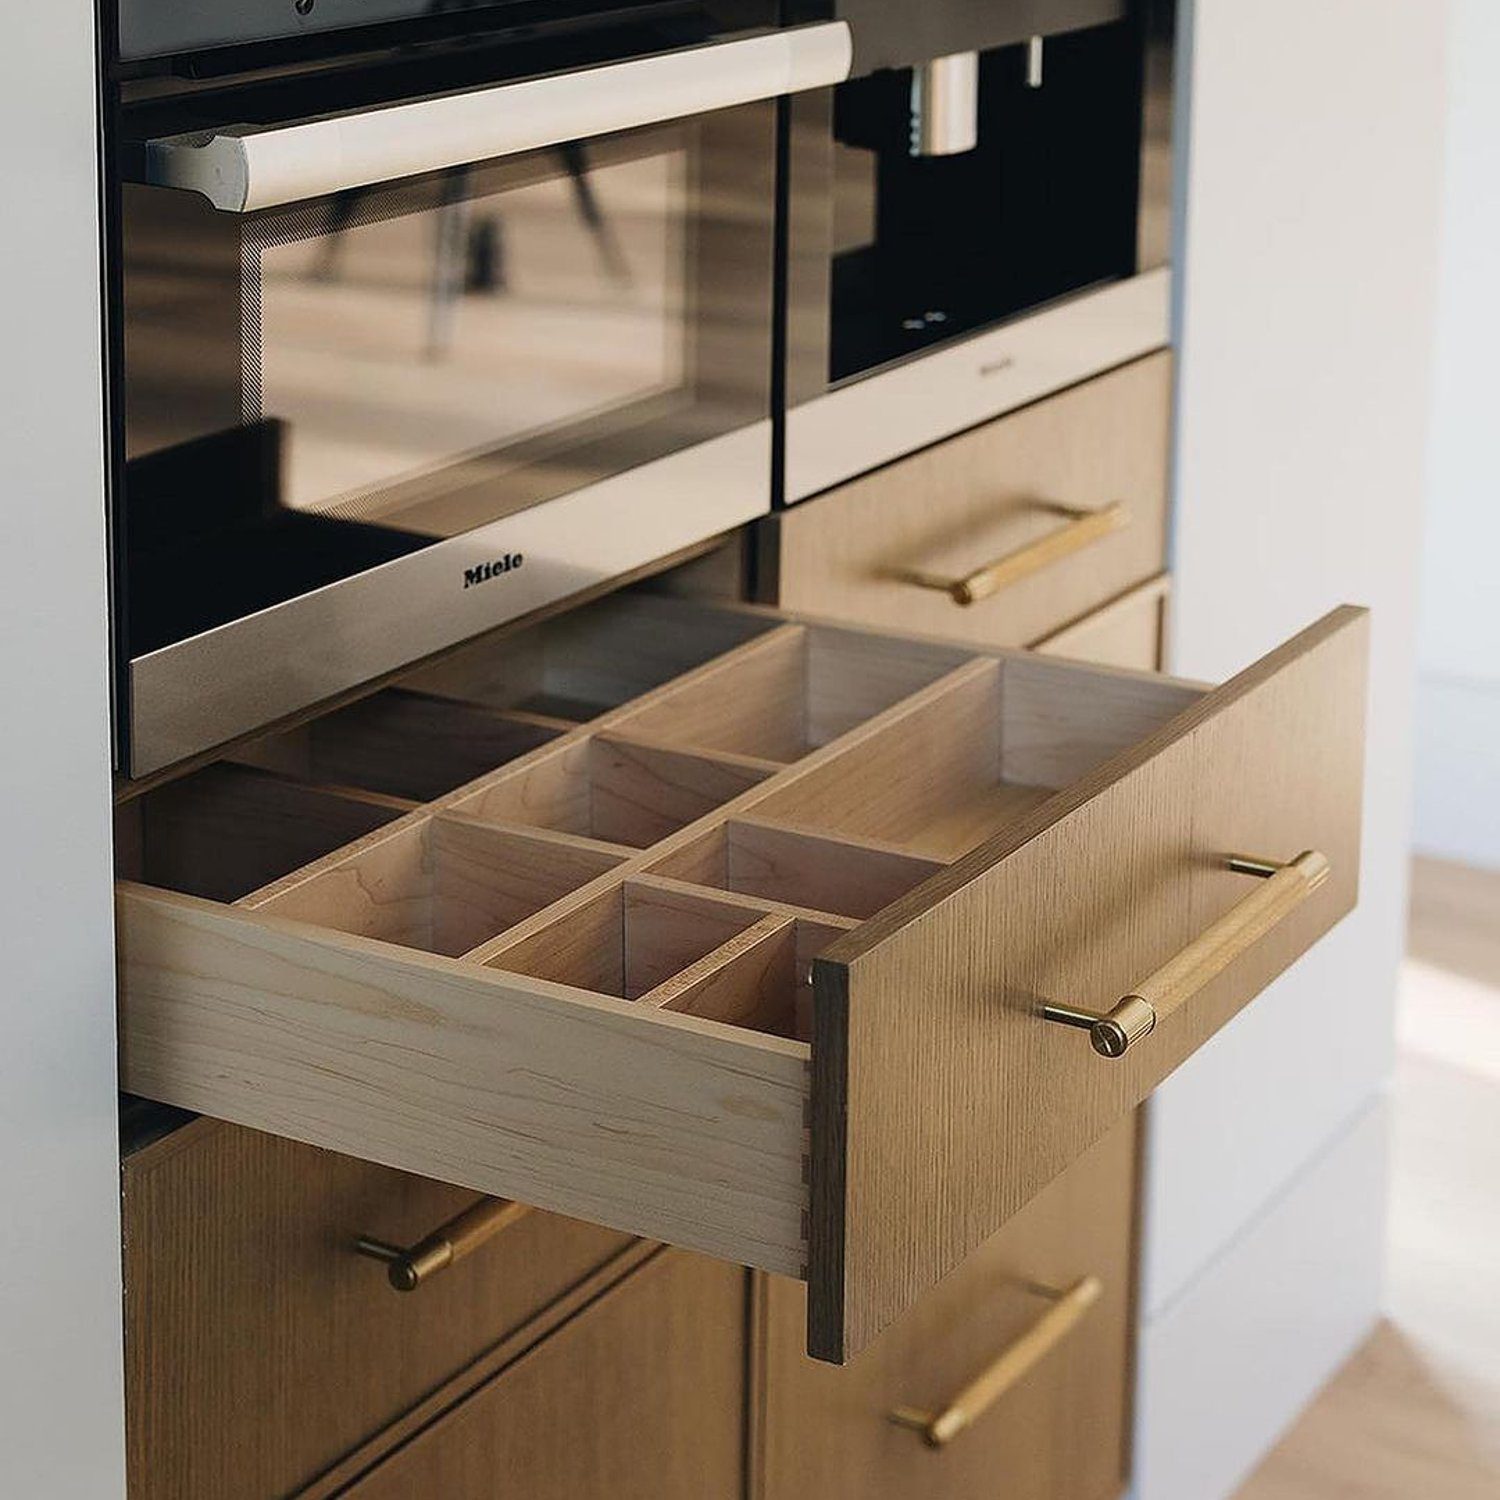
(243, 168)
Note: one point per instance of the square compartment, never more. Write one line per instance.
(609, 788)
(792, 692)
(404, 744)
(442, 884)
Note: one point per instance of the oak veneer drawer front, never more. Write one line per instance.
(581, 981)
(640, 1397)
(1000, 494)
(1034, 1398)
(1127, 632)
(261, 1347)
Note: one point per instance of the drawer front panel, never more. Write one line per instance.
(1127, 632)
(260, 1347)
(991, 495)
(753, 963)
(1059, 1430)
(640, 1397)
(942, 1100)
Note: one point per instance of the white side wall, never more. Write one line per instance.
(61, 1407)
(1308, 274)
(1458, 736)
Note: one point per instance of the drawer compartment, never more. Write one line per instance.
(999, 536)
(995, 870)
(1015, 1366)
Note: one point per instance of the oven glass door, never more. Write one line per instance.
(317, 389)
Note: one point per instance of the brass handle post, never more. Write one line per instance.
(938, 1428)
(1134, 1016)
(1083, 527)
(408, 1267)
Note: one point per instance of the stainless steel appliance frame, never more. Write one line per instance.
(197, 693)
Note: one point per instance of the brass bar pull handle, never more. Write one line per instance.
(1083, 527)
(939, 1428)
(1133, 1017)
(409, 1266)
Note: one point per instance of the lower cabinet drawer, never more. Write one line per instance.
(260, 1346)
(641, 1397)
(823, 956)
(1009, 1378)
(1001, 535)
(1127, 632)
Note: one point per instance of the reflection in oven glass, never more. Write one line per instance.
(393, 348)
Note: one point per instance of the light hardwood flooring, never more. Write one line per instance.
(1415, 1414)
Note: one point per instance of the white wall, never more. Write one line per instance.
(1307, 284)
(61, 1410)
(1458, 740)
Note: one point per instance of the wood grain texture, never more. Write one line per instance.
(1059, 1433)
(1127, 632)
(931, 1065)
(444, 884)
(259, 1347)
(953, 507)
(639, 1398)
(821, 872)
(652, 1123)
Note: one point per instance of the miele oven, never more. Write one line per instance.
(978, 217)
(425, 324)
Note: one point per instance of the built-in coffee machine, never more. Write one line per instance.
(977, 217)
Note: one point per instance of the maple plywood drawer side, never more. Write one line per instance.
(999, 536)
(799, 957)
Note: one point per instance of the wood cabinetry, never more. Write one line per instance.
(641, 1397)
(1050, 512)
(1058, 1433)
(260, 1347)
(581, 980)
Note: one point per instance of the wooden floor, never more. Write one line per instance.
(1415, 1414)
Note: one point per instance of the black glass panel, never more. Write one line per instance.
(928, 248)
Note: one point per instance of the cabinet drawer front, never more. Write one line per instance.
(871, 551)
(260, 1347)
(942, 1100)
(1057, 1430)
(640, 1397)
(754, 963)
(1127, 632)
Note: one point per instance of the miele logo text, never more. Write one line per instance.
(486, 571)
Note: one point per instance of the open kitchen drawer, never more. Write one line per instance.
(818, 950)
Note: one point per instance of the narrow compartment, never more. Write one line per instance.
(760, 980)
(819, 871)
(993, 744)
(793, 691)
(612, 788)
(579, 665)
(445, 884)
(626, 941)
(227, 830)
(403, 743)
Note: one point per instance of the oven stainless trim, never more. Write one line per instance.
(229, 681)
(870, 422)
(246, 167)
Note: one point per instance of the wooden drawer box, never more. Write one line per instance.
(640, 1397)
(1029, 1386)
(1047, 513)
(260, 1347)
(582, 980)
